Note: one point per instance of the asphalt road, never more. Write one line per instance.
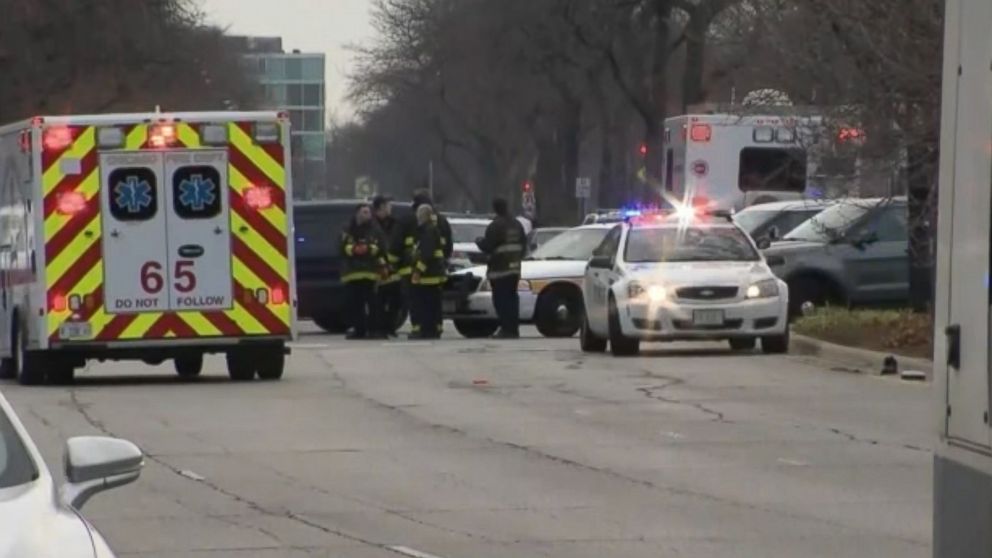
(483, 449)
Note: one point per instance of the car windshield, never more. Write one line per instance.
(16, 466)
(751, 221)
(541, 237)
(467, 232)
(576, 244)
(830, 224)
(691, 244)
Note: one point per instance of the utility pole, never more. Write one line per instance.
(430, 177)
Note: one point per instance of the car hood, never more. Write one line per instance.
(31, 524)
(784, 248)
(700, 273)
(537, 269)
(469, 247)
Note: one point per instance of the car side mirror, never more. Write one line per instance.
(773, 233)
(94, 464)
(764, 243)
(601, 261)
(864, 240)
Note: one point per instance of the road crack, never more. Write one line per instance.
(657, 393)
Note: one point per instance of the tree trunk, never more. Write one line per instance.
(922, 196)
(695, 60)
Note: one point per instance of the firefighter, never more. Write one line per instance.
(363, 246)
(428, 274)
(390, 287)
(402, 244)
(505, 244)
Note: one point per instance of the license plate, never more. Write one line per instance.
(75, 330)
(707, 317)
(449, 306)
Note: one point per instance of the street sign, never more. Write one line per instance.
(365, 187)
(583, 187)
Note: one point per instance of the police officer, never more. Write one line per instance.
(428, 275)
(364, 249)
(390, 287)
(505, 244)
(402, 245)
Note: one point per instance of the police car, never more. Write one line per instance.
(682, 276)
(550, 288)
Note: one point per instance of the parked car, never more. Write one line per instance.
(317, 230)
(773, 220)
(465, 231)
(38, 521)
(854, 252)
(538, 237)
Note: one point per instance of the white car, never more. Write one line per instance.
(680, 277)
(38, 521)
(550, 288)
(464, 232)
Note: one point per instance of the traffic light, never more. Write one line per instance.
(845, 135)
(527, 187)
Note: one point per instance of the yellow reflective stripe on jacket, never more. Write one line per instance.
(408, 241)
(438, 253)
(431, 281)
(360, 276)
(405, 271)
(421, 267)
(349, 249)
(393, 259)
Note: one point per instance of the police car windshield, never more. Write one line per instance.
(575, 244)
(467, 232)
(751, 221)
(690, 244)
(16, 467)
(831, 224)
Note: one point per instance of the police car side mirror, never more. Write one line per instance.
(764, 243)
(773, 233)
(601, 262)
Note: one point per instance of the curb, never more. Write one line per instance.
(862, 361)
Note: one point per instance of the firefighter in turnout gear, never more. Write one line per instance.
(390, 287)
(428, 275)
(364, 248)
(505, 244)
(402, 247)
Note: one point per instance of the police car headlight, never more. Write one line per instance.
(657, 293)
(654, 293)
(763, 289)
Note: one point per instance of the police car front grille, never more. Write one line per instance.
(706, 293)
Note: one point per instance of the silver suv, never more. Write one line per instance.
(855, 252)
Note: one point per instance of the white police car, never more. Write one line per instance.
(550, 288)
(682, 276)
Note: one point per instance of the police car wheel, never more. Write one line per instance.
(589, 341)
(240, 366)
(271, 363)
(775, 344)
(743, 343)
(620, 344)
(559, 313)
(189, 366)
(475, 329)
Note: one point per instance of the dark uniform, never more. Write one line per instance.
(505, 244)
(391, 286)
(364, 249)
(402, 247)
(428, 275)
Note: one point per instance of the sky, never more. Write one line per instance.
(327, 26)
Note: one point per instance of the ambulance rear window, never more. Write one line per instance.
(773, 169)
(196, 192)
(133, 194)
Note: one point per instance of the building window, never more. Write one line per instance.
(294, 68)
(275, 69)
(294, 95)
(296, 119)
(313, 69)
(313, 95)
(313, 121)
(313, 147)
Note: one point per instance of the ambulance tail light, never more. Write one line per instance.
(71, 203)
(110, 137)
(267, 132)
(258, 197)
(701, 133)
(75, 302)
(214, 134)
(57, 138)
(59, 303)
(278, 296)
(162, 135)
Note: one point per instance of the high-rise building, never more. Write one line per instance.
(294, 82)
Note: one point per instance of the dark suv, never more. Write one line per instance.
(317, 228)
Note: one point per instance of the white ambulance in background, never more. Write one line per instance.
(148, 237)
(733, 161)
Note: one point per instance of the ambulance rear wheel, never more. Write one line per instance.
(61, 374)
(241, 366)
(270, 363)
(30, 365)
(189, 366)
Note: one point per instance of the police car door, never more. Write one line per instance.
(134, 232)
(199, 241)
(599, 279)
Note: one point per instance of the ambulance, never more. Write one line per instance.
(147, 237)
